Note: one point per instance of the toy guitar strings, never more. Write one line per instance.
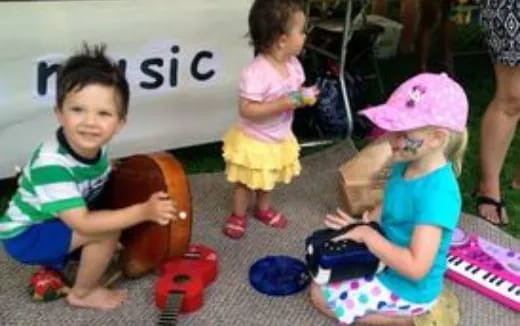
(180, 289)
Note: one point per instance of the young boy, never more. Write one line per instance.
(47, 217)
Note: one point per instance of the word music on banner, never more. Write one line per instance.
(182, 60)
(151, 69)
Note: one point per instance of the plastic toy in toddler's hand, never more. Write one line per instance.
(310, 95)
(305, 96)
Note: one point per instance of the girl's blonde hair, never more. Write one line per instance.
(455, 149)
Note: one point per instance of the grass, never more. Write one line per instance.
(473, 72)
(207, 158)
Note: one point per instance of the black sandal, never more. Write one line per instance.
(499, 205)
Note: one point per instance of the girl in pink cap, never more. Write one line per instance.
(426, 120)
(261, 150)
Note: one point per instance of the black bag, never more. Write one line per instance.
(329, 261)
(328, 118)
(330, 111)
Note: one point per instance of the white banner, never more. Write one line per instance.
(182, 60)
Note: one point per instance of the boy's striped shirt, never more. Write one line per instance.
(53, 181)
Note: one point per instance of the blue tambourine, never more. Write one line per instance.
(278, 275)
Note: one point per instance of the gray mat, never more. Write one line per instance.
(231, 300)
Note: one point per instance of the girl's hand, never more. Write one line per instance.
(160, 208)
(358, 234)
(342, 219)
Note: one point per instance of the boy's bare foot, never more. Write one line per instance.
(99, 298)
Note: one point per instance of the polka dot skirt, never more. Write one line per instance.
(359, 297)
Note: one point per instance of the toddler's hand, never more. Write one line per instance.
(160, 208)
(303, 97)
(339, 220)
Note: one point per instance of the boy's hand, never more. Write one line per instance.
(114, 164)
(341, 219)
(160, 208)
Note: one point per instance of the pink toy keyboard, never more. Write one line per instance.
(485, 267)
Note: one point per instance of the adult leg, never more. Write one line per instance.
(497, 131)
(448, 29)
(97, 251)
(515, 184)
(409, 14)
(380, 7)
(429, 14)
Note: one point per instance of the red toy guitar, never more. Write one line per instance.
(183, 280)
(197, 257)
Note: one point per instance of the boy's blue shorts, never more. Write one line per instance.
(45, 244)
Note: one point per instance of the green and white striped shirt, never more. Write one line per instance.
(56, 179)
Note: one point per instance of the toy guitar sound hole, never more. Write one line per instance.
(181, 286)
(181, 279)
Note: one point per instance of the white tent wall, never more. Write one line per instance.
(182, 58)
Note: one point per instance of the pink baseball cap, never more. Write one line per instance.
(424, 100)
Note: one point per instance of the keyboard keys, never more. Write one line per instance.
(484, 278)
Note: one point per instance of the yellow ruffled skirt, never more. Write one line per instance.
(260, 165)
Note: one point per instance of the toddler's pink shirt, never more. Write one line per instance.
(260, 82)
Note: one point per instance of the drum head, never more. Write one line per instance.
(278, 275)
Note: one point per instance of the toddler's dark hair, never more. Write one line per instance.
(269, 19)
(91, 66)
